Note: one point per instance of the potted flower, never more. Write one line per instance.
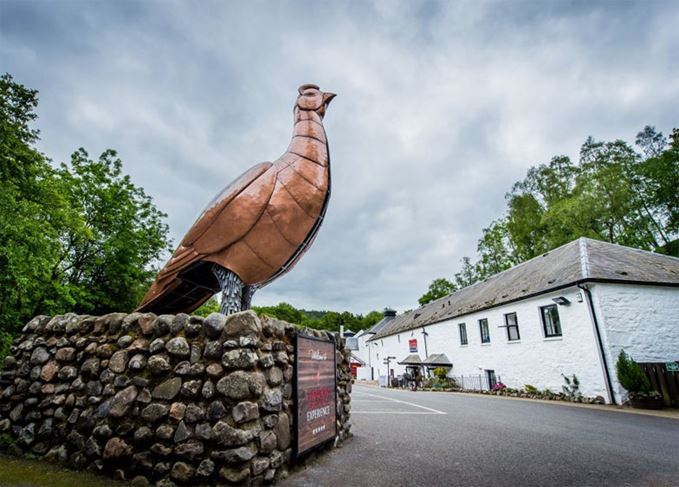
(632, 378)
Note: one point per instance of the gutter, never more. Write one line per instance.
(602, 353)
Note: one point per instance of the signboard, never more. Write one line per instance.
(672, 367)
(412, 344)
(315, 392)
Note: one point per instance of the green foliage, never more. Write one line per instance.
(571, 388)
(631, 376)
(81, 237)
(441, 372)
(437, 289)
(208, 307)
(613, 193)
(530, 389)
(321, 320)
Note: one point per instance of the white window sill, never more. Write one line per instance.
(485, 344)
(464, 346)
(511, 342)
(553, 339)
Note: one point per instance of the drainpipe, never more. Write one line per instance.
(425, 342)
(602, 352)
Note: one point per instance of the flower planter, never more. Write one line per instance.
(646, 402)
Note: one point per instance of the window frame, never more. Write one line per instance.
(462, 330)
(543, 309)
(515, 325)
(484, 338)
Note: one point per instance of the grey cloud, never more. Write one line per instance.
(442, 105)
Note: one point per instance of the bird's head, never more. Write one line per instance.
(312, 98)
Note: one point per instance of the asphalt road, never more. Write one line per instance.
(404, 438)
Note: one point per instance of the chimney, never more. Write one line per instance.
(389, 313)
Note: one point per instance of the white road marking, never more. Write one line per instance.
(432, 411)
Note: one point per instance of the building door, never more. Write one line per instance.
(491, 378)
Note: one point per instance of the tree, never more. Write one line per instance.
(613, 194)
(437, 289)
(78, 238)
(208, 307)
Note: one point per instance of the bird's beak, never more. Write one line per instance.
(327, 98)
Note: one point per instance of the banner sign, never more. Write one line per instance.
(315, 392)
(412, 343)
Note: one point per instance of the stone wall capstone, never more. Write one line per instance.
(169, 399)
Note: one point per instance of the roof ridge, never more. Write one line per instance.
(584, 258)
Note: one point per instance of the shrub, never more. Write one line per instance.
(530, 389)
(441, 373)
(498, 387)
(630, 375)
(571, 388)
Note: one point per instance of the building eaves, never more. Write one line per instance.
(576, 262)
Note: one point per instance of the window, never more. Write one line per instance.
(463, 334)
(512, 327)
(485, 332)
(550, 321)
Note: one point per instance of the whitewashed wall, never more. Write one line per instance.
(363, 373)
(643, 320)
(534, 359)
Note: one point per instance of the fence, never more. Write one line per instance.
(664, 381)
(481, 382)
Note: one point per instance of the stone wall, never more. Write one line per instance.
(165, 399)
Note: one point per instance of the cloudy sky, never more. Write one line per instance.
(441, 107)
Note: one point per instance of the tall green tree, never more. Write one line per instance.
(80, 238)
(437, 289)
(614, 193)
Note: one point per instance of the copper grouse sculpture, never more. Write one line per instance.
(257, 228)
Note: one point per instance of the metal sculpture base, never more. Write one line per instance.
(236, 295)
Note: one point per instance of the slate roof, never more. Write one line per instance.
(576, 262)
(437, 360)
(389, 315)
(413, 359)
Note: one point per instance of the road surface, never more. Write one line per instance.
(404, 438)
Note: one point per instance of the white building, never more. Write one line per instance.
(569, 311)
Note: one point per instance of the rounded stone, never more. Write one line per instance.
(168, 389)
(241, 385)
(49, 370)
(245, 411)
(122, 401)
(153, 412)
(39, 356)
(243, 324)
(178, 346)
(117, 448)
(137, 362)
(159, 364)
(182, 471)
(118, 362)
(66, 354)
(214, 324)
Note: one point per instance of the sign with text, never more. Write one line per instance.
(316, 398)
(412, 344)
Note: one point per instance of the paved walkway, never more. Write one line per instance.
(407, 438)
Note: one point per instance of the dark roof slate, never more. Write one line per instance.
(578, 261)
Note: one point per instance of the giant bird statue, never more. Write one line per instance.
(257, 227)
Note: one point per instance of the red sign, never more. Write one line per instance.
(412, 344)
(316, 398)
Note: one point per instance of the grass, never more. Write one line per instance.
(23, 472)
